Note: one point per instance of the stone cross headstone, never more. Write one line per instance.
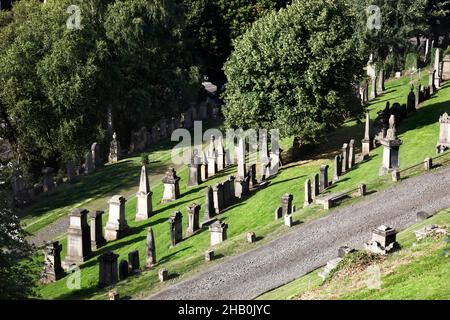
(323, 177)
(144, 207)
(308, 198)
(108, 273)
(117, 226)
(218, 231)
(48, 183)
(150, 250)
(133, 261)
(114, 149)
(97, 239)
(193, 218)
(176, 232)
(195, 174)
(52, 262)
(171, 186)
(78, 238)
(391, 145)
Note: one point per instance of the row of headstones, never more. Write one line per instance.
(163, 128)
(377, 87)
(24, 194)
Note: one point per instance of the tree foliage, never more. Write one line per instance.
(295, 70)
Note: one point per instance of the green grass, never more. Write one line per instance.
(254, 213)
(424, 277)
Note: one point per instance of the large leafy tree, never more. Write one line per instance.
(18, 272)
(295, 70)
(215, 24)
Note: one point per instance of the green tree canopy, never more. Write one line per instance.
(295, 70)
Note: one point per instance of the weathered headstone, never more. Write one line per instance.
(351, 154)
(431, 83)
(444, 133)
(144, 208)
(446, 68)
(123, 269)
(344, 157)
(176, 232)
(286, 204)
(383, 241)
(108, 273)
(209, 255)
(437, 75)
(195, 174)
(133, 262)
(373, 93)
(163, 275)
(220, 155)
(381, 81)
(337, 167)
(210, 211)
(171, 186)
(96, 156)
(114, 149)
(391, 145)
(218, 198)
(315, 188)
(97, 239)
(150, 250)
(88, 163)
(251, 237)
(241, 160)
(323, 177)
(411, 101)
(362, 189)
(117, 226)
(212, 158)
(48, 183)
(308, 198)
(288, 220)
(193, 218)
(204, 167)
(78, 238)
(252, 175)
(366, 143)
(218, 231)
(428, 163)
(52, 262)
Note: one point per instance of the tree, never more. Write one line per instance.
(18, 273)
(295, 70)
(215, 24)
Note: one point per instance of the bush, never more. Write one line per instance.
(411, 61)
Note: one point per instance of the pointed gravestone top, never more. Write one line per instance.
(144, 185)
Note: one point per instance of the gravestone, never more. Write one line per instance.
(391, 145)
(373, 93)
(241, 186)
(351, 153)
(133, 262)
(96, 156)
(150, 250)
(195, 174)
(431, 83)
(286, 204)
(337, 167)
(107, 269)
(163, 275)
(288, 220)
(381, 87)
(362, 189)
(315, 186)
(114, 149)
(117, 226)
(123, 269)
(70, 172)
(446, 68)
(411, 101)
(171, 186)
(96, 227)
(218, 198)
(308, 198)
(323, 177)
(444, 133)
(437, 75)
(48, 184)
(428, 163)
(176, 232)
(78, 238)
(383, 241)
(210, 211)
(144, 197)
(204, 167)
(221, 163)
(344, 157)
(209, 255)
(88, 163)
(417, 97)
(52, 262)
(218, 231)
(193, 218)
(241, 160)
(212, 158)
(232, 192)
(251, 237)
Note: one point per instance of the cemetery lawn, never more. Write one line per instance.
(419, 133)
(420, 270)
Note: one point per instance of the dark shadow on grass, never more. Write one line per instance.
(167, 257)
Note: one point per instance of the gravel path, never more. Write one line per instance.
(311, 245)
